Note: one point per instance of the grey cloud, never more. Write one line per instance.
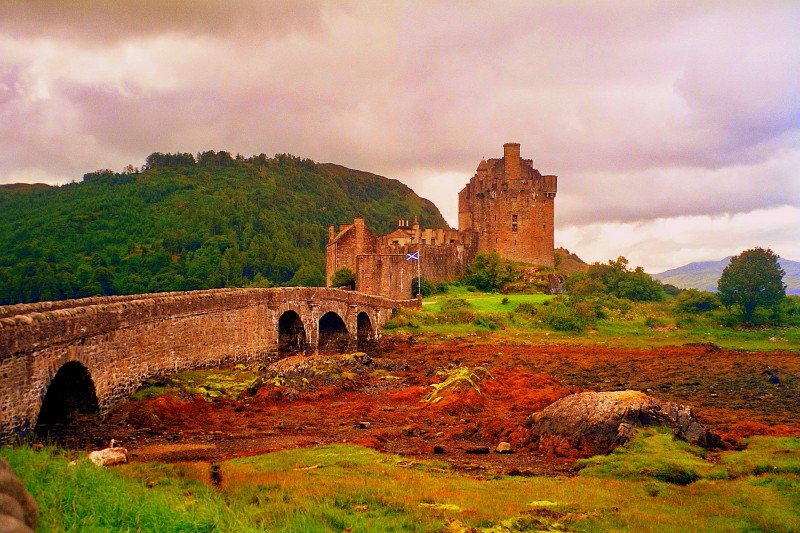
(643, 111)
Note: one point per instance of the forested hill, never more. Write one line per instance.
(186, 222)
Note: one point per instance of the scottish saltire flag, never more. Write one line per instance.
(412, 257)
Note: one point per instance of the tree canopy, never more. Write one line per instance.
(344, 277)
(616, 279)
(490, 272)
(187, 222)
(752, 279)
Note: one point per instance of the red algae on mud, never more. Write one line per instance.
(377, 402)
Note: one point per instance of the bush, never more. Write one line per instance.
(579, 285)
(788, 312)
(527, 309)
(450, 304)
(490, 322)
(561, 317)
(422, 285)
(694, 301)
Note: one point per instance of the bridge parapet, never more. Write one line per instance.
(123, 340)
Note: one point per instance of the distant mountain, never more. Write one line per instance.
(704, 275)
(186, 222)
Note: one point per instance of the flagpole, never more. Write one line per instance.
(419, 272)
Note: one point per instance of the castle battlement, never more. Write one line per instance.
(507, 207)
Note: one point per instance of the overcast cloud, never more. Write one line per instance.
(674, 127)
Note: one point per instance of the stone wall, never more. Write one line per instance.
(510, 205)
(391, 274)
(124, 340)
(351, 241)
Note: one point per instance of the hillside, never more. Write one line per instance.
(186, 223)
(569, 263)
(704, 275)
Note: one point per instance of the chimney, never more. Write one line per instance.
(360, 233)
(512, 161)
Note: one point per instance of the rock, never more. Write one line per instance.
(503, 447)
(591, 423)
(438, 450)
(9, 524)
(364, 425)
(478, 450)
(18, 510)
(110, 456)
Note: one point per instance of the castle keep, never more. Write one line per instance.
(507, 207)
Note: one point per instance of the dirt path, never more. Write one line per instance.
(377, 404)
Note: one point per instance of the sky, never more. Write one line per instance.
(673, 126)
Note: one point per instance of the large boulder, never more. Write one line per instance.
(591, 423)
(18, 510)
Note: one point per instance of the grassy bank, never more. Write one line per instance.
(544, 319)
(653, 484)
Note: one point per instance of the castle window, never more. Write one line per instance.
(423, 241)
(514, 218)
(396, 243)
(514, 227)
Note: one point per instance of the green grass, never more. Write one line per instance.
(481, 301)
(460, 313)
(84, 497)
(654, 483)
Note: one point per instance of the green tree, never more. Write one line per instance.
(344, 277)
(752, 279)
(619, 281)
(694, 301)
(490, 272)
(307, 275)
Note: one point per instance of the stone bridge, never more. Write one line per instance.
(61, 359)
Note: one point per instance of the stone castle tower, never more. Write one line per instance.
(507, 207)
(508, 204)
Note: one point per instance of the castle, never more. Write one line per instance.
(507, 207)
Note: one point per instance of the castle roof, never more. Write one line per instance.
(399, 232)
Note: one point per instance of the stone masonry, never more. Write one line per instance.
(122, 341)
(510, 205)
(507, 207)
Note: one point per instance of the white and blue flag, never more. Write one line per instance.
(412, 257)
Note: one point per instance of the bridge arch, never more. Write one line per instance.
(292, 336)
(333, 335)
(365, 332)
(70, 395)
(112, 344)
